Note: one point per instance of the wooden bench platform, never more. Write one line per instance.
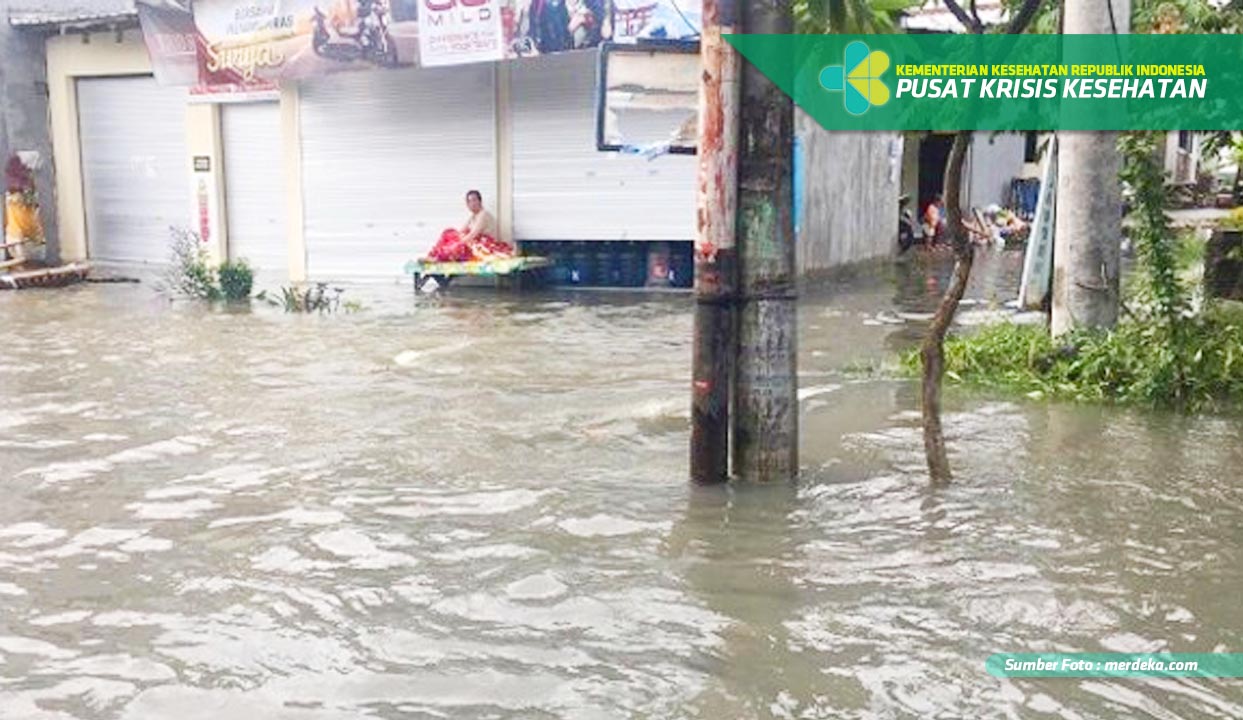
(444, 273)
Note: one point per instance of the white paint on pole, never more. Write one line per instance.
(1038, 261)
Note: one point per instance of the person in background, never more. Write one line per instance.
(934, 219)
(475, 240)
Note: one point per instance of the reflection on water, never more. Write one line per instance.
(476, 507)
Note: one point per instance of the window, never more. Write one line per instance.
(1184, 140)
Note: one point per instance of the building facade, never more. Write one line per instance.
(347, 176)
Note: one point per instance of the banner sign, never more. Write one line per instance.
(1007, 82)
(172, 41)
(461, 31)
(249, 45)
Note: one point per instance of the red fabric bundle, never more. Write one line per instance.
(451, 248)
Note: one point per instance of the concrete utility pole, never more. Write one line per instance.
(716, 268)
(1088, 229)
(766, 377)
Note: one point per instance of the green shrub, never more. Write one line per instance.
(316, 298)
(236, 280)
(1134, 364)
(1233, 221)
(189, 273)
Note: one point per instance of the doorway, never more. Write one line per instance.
(934, 153)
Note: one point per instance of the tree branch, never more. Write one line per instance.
(1023, 18)
(973, 25)
(932, 350)
(971, 20)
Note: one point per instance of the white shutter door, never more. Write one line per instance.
(255, 187)
(564, 189)
(387, 158)
(135, 167)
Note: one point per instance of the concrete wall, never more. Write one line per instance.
(24, 113)
(850, 196)
(1181, 165)
(910, 168)
(996, 159)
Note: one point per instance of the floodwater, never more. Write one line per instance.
(476, 507)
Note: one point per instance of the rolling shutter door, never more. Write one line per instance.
(255, 187)
(135, 167)
(387, 159)
(564, 189)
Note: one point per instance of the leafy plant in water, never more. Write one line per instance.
(236, 280)
(1156, 244)
(316, 298)
(1165, 300)
(1129, 365)
(189, 272)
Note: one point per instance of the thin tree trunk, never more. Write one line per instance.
(933, 349)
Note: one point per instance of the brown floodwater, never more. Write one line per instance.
(476, 506)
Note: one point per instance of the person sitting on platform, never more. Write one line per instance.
(474, 241)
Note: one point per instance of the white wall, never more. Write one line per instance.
(1181, 165)
(996, 159)
(850, 197)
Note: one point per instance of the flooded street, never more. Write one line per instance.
(476, 506)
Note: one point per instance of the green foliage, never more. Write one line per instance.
(189, 272)
(1156, 244)
(818, 17)
(317, 298)
(1234, 221)
(1046, 19)
(1177, 17)
(1186, 16)
(1130, 365)
(236, 280)
(1156, 16)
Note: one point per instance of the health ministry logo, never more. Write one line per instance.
(858, 78)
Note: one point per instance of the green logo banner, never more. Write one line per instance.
(1007, 82)
(1065, 665)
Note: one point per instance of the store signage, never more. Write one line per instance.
(206, 202)
(250, 45)
(460, 31)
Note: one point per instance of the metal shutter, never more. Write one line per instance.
(135, 167)
(255, 187)
(564, 189)
(387, 158)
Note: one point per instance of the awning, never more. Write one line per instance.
(73, 15)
